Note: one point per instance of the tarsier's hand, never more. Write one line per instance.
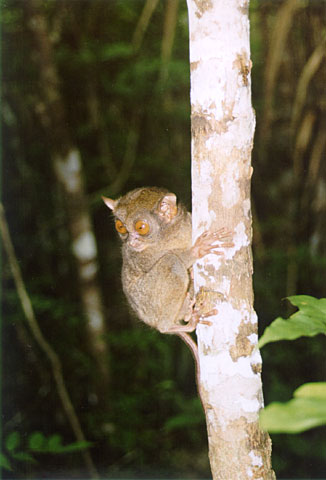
(208, 242)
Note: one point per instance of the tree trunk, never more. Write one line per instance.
(223, 125)
(67, 166)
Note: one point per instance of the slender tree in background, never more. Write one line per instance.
(67, 166)
(307, 129)
(52, 356)
(223, 125)
(170, 22)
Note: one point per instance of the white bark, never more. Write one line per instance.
(223, 125)
(68, 170)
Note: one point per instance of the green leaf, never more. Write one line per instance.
(54, 443)
(311, 390)
(24, 457)
(182, 421)
(116, 50)
(309, 321)
(12, 441)
(37, 441)
(4, 462)
(295, 416)
(310, 306)
(74, 447)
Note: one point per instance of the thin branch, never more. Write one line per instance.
(42, 342)
(283, 23)
(258, 240)
(303, 138)
(311, 201)
(306, 76)
(127, 162)
(142, 24)
(170, 23)
(129, 156)
(317, 155)
(98, 124)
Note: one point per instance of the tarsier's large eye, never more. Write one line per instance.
(120, 227)
(142, 227)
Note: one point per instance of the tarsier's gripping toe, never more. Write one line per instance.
(201, 317)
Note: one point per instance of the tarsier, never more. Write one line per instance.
(158, 255)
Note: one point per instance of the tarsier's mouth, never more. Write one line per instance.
(137, 245)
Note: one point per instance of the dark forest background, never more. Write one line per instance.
(95, 100)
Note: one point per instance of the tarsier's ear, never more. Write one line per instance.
(167, 208)
(110, 203)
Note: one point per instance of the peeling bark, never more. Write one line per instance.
(223, 126)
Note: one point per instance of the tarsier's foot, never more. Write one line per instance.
(193, 320)
(198, 317)
(208, 242)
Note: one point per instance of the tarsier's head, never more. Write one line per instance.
(142, 214)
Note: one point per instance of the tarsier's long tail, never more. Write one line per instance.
(194, 351)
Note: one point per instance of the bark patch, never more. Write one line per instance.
(256, 367)
(194, 66)
(243, 346)
(260, 444)
(243, 64)
(244, 9)
(204, 124)
(202, 7)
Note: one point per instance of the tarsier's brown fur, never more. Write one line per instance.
(158, 255)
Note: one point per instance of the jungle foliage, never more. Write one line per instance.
(307, 408)
(109, 79)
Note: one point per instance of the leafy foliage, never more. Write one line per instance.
(309, 321)
(297, 415)
(308, 407)
(35, 443)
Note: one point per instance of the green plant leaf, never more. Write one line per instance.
(114, 51)
(295, 416)
(181, 421)
(24, 457)
(74, 447)
(37, 441)
(12, 441)
(4, 462)
(310, 306)
(309, 321)
(311, 390)
(54, 443)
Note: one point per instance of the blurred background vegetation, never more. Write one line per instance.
(96, 101)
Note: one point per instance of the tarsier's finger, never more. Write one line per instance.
(211, 313)
(226, 244)
(221, 235)
(205, 322)
(221, 231)
(215, 241)
(208, 234)
(204, 234)
(207, 251)
(209, 238)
